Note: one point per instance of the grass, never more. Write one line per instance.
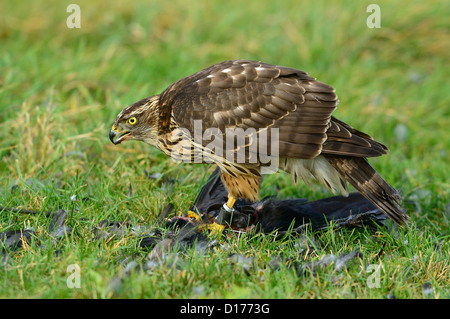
(60, 90)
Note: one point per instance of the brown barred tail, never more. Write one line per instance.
(358, 172)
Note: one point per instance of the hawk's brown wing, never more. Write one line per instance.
(342, 139)
(248, 94)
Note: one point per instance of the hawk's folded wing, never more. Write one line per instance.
(254, 95)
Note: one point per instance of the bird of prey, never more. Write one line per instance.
(285, 117)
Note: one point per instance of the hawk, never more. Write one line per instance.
(283, 112)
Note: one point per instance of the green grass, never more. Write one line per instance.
(61, 89)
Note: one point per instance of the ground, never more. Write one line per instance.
(61, 89)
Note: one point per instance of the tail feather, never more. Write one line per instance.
(358, 172)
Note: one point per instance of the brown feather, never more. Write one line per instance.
(358, 172)
(342, 139)
(273, 96)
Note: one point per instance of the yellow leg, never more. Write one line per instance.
(231, 201)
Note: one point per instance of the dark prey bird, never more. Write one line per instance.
(272, 214)
(251, 118)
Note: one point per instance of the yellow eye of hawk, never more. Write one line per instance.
(132, 120)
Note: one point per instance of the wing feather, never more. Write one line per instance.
(249, 94)
(342, 139)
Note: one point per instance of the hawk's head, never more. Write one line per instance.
(137, 122)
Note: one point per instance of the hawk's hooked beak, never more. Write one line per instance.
(117, 136)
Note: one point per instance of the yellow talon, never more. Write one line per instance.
(193, 215)
(216, 229)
